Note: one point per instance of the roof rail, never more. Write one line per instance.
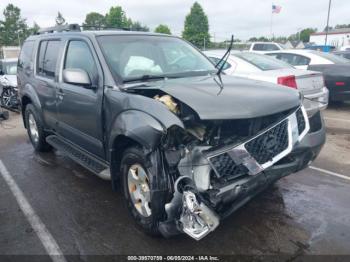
(60, 28)
(99, 27)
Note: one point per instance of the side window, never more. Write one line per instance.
(295, 60)
(258, 47)
(271, 47)
(26, 54)
(79, 56)
(47, 58)
(216, 60)
(302, 60)
(277, 56)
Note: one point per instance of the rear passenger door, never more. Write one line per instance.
(46, 78)
(80, 107)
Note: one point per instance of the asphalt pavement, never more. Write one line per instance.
(304, 213)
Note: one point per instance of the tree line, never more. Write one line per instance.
(14, 28)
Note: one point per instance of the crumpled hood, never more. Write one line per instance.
(11, 79)
(239, 98)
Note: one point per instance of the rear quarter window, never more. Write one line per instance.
(25, 57)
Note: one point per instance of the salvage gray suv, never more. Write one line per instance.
(186, 145)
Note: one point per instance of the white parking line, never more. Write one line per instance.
(337, 119)
(38, 226)
(329, 172)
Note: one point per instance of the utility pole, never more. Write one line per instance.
(329, 10)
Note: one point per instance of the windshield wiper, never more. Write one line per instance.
(145, 78)
(223, 59)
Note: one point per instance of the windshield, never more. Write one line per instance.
(263, 62)
(137, 56)
(9, 68)
(331, 57)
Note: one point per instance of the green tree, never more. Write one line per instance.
(304, 35)
(34, 29)
(342, 26)
(137, 26)
(13, 29)
(60, 19)
(94, 21)
(116, 18)
(197, 27)
(163, 29)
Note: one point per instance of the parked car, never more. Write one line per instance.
(8, 83)
(344, 54)
(335, 69)
(265, 68)
(345, 48)
(261, 47)
(150, 112)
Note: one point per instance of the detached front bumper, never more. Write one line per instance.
(316, 102)
(213, 202)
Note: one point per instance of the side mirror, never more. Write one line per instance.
(76, 76)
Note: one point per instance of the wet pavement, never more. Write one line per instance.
(304, 213)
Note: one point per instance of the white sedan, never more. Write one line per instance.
(265, 68)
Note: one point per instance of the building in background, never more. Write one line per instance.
(336, 37)
(9, 52)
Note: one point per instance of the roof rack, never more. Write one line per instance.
(99, 27)
(60, 28)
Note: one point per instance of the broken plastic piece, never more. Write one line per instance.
(197, 219)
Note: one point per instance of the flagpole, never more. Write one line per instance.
(271, 22)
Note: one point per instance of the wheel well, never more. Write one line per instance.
(120, 144)
(25, 101)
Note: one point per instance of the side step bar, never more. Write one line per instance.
(80, 156)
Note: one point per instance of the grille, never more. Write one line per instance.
(226, 167)
(301, 121)
(268, 145)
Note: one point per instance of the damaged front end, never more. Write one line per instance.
(216, 166)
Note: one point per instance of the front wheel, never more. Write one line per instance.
(137, 180)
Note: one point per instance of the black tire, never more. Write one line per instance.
(39, 143)
(150, 224)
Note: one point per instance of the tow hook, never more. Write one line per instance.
(197, 219)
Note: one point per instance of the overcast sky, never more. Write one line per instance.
(243, 18)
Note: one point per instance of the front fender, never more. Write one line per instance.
(139, 126)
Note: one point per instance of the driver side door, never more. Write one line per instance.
(80, 107)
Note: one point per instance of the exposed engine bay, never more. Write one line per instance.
(208, 161)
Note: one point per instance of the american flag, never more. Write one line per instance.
(276, 9)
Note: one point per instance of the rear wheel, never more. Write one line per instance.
(137, 180)
(35, 129)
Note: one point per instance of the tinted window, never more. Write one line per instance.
(331, 57)
(217, 60)
(259, 47)
(265, 47)
(26, 54)
(9, 68)
(47, 59)
(262, 62)
(293, 59)
(79, 56)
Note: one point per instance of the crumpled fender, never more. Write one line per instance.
(139, 126)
